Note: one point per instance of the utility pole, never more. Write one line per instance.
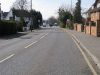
(31, 4)
(31, 17)
(71, 15)
(71, 10)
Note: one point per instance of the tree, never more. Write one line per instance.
(13, 13)
(39, 18)
(21, 4)
(21, 7)
(77, 13)
(36, 19)
(64, 15)
(52, 20)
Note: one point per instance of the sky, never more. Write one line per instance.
(48, 8)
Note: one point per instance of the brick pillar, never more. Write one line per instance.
(98, 28)
(90, 27)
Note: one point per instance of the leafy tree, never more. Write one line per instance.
(52, 21)
(13, 13)
(39, 18)
(77, 13)
(20, 13)
(64, 15)
(22, 7)
(36, 19)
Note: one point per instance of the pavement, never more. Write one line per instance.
(91, 45)
(49, 51)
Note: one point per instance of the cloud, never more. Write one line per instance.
(6, 4)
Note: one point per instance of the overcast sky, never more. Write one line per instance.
(47, 7)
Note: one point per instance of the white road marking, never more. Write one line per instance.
(31, 44)
(86, 59)
(84, 55)
(43, 36)
(25, 47)
(36, 41)
(7, 58)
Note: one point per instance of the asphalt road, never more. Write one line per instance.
(49, 51)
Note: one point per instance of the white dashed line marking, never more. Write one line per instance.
(7, 58)
(36, 41)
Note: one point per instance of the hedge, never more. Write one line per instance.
(8, 27)
(19, 26)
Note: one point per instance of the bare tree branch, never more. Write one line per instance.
(21, 4)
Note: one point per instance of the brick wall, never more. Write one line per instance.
(95, 16)
(98, 28)
(93, 30)
(75, 26)
(88, 30)
(79, 27)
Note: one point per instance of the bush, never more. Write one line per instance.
(93, 23)
(8, 27)
(20, 26)
(62, 25)
(87, 23)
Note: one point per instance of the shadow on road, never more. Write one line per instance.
(13, 35)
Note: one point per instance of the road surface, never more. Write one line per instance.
(49, 51)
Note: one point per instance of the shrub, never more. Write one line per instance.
(19, 26)
(8, 27)
(93, 23)
(62, 25)
(87, 23)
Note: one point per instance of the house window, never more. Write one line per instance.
(11, 18)
(98, 5)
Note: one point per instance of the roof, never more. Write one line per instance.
(96, 2)
(88, 11)
(95, 7)
(95, 10)
(5, 14)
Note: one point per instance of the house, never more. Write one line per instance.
(92, 25)
(3, 15)
(17, 14)
(95, 18)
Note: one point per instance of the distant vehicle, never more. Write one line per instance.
(56, 24)
(51, 25)
(44, 25)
